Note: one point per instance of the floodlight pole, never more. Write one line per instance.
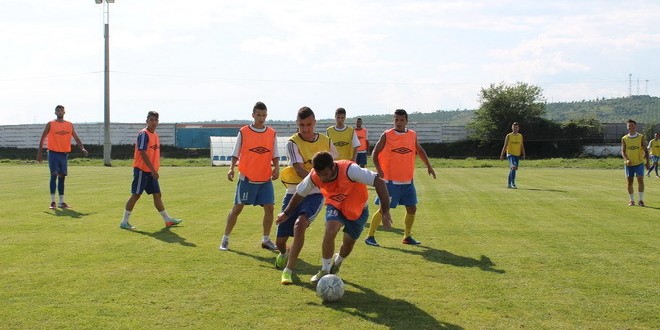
(107, 144)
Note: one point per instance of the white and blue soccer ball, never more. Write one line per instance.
(330, 288)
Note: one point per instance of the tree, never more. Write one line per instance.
(501, 105)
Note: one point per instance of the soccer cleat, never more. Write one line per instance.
(126, 225)
(318, 276)
(224, 245)
(268, 245)
(513, 186)
(64, 206)
(286, 278)
(52, 205)
(641, 203)
(411, 241)
(370, 240)
(631, 203)
(172, 222)
(280, 261)
(334, 269)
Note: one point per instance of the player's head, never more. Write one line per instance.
(324, 166)
(657, 135)
(358, 123)
(306, 122)
(515, 127)
(259, 106)
(59, 111)
(400, 119)
(259, 113)
(631, 125)
(340, 116)
(152, 120)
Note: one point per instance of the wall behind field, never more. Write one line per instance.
(197, 135)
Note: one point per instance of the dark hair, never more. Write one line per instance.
(58, 107)
(514, 123)
(259, 106)
(305, 112)
(152, 113)
(401, 112)
(340, 111)
(630, 121)
(322, 160)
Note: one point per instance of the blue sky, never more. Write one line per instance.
(212, 60)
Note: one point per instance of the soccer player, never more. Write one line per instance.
(343, 137)
(344, 186)
(300, 149)
(633, 150)
(654, 151)
(146, 163)
(362, 150)
(59, 133)
(513, 149)
(394, 157)
(258, 163)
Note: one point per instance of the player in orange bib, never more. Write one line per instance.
(146, 164)
(258, 164)
(344, 186)
(394, 157)
(59, 133)
(363, 149)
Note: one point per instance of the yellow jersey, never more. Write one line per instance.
(634, 148)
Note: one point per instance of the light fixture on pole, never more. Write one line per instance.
(107, 145)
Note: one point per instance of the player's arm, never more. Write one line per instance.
(646, 153)
(78, 142)
(147, 161)
(422, 155)
(522, 148)
(235, 154)
(506, 141)
(276, 160)
(384, 197)
(41, 142)
(377, 150)
(302, 190)
(623, 152)
(356, 145)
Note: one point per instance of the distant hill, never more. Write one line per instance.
(642, 108)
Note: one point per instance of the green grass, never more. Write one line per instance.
(563, 251)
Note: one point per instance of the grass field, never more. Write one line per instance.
(562, 251)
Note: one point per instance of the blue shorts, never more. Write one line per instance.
(404, 194)
(311, 205)
(361, 158)
(144, 181)
(57, 162)
(351, 227)
(248, 193)
(655, 159)
(631, 171)
(513, 160)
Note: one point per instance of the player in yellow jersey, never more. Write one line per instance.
(633, 150)
(343, 137)
(513, 148)
(654, 151)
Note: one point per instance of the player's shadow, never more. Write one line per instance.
(167, 236)
(394, 230)
(539, 189)
(390, 313)
(68, 213)
(445, 257)
(302, 267)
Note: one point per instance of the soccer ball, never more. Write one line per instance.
(330, 288)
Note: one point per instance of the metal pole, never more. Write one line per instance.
(107, 145)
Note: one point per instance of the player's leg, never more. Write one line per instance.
(629, 179)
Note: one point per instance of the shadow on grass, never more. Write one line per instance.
(67, 213)
(302, 267)
(538, 189)
(445, 257)
(397, 231)
(385, 311)
(166, 235)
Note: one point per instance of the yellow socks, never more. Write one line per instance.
(375, 222)
(410, 219)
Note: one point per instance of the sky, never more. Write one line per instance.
(208, 60)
